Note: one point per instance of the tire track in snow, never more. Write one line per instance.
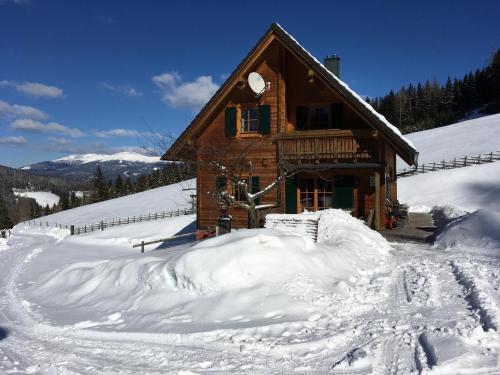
(471, 295)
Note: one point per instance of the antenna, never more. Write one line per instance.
(257, 83)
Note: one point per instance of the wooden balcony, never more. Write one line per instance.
(339, 145)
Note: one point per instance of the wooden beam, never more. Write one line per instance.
(378, 213)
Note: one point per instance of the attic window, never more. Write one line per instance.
(249, 120)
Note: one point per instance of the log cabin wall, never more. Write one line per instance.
(261, 151)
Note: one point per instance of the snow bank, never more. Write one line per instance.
(477, 232)
(247, 277)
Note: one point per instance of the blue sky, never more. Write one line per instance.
(95, 76)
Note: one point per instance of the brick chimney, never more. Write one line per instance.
(332, 63)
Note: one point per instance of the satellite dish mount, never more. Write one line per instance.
(257, 84)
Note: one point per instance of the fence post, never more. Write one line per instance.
(465, 161)
(102, 225)
(142, 247)
(491, 156)
(72, 230)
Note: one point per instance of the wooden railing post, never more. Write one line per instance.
(142, 247)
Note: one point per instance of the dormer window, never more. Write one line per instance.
(249, 120)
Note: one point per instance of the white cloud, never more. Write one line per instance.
(36, 89)
(122, 89)
(14, 141)
(12, 111)
(179, 94)
(32, 126)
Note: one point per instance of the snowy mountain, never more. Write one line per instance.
(83, 166)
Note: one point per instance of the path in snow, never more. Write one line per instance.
(427, 310)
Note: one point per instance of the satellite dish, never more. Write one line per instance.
(257, 83)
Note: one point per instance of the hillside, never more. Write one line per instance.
(11, 178)
(83, 166)
(470, 138)
(164, 198)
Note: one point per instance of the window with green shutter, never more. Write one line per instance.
(265, 119)
(230, 120)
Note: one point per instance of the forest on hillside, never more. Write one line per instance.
(429, 105)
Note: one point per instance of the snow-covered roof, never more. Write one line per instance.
(404, 148)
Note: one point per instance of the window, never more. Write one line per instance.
(253, 188)
(249, 120)
(313, 118)
(306, 186)
(318, 193)
(319, 118)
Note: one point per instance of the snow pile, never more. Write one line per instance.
(43, 198)
(339, 227)
(470, 138)
(476, 231)
(246, 276)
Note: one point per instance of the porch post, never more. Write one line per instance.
(377, 201)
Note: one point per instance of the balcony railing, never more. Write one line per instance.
(342, 145)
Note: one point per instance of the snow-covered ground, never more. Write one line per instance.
(254, 301)
(259, 301)
(43, 198)
(471, 137)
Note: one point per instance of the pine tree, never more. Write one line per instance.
(5, 221)
(118, 188)
(100, 188)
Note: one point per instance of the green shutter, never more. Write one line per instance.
(230, 122)
(290, 196)
(343, 193)
(265, 119)
(255, 188)
(220, 183)
(301, 117)
(337, 116)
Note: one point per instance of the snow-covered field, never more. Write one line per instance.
(43, 198)
(471, 137)
(165, 198)
(259, 301)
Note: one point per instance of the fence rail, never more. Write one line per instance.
(450, 164)
(76, 230)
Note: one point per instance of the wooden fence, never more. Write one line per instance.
(76, 230)
(450, 164)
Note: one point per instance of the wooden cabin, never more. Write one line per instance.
(344, 151)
